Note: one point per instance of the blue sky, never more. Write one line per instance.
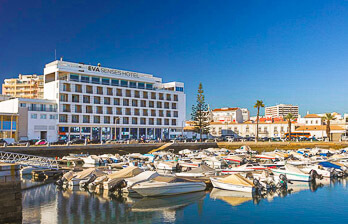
(278, 51)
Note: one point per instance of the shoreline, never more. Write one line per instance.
(143, 148)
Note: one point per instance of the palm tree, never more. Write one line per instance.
(258, 105)
(289, 118)
(328, 117)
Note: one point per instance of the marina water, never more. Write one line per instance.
(323, 202)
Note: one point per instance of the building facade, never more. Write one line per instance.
(281, 110)
(37, 118)
(96, 102)
(245, 114)
(25, 86)
(227, 114)
(248, 129)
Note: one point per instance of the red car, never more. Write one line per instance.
(41, 142)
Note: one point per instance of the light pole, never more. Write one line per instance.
(182, 130)
(115, 119)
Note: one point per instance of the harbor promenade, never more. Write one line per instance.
(97, 149)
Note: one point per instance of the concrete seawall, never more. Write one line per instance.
(60, 151)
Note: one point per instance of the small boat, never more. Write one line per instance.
(85, 175)
(162, 185)
(293, 173)
(142, 177)
(201, 171)
(244, 168)
(171, 166)
(116, 178)
(92, 159)
(234, 182)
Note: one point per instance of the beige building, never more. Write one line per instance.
(281, 110)
(25, 86)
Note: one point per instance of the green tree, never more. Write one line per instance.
(200, 113)
(328, 118)
(258, 105)
(289, 118)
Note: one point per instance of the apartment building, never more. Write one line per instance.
(227, 114)
(102, 103)
(25, 86)
(281, 110)
(245, 114)
(35, 118)
(248, 129)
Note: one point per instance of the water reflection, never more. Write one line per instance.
(47, 204)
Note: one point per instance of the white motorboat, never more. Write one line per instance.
(171, 166)
(142, 177)
(92, 159)
(320, 170)
(292, 173)
(201, 171)
(85, 175)
(234, 182)
(244, 168)
(161, 185)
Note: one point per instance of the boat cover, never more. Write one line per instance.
(202, 169)
(90, 171)
(237, 179)
(147, 175)
(130, 171)
(329, 165)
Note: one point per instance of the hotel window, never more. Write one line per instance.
(125, 102)
(145, 95)
(66, 107)
(179, 89)
(86, 99)
(169, 97)
(119, 111)
(133, 84)
(134, 103)
(128, 111)
(160, 113)
(116, 101)
(96, 100)
(99, 110)
(166, 121)
(160, 96)
(176, 98)
(143, 103)
(109, 110)
(78, 109)
(175, 113)
(128, 93)
(89, 89)
(166, 105)
(75, 98)
(153, 96)
(22, 105)
(124, 83)
(115, 82)
(100, 90)
(74, 77)
(136, 112)
(63, 118)
(151, 104)
(134, 120)
(159, 104)
(106, 120)
(109, 91)
(173, 105)
(86, 118)
(66, 87)
(75, 119)
(89, 109)
(119, 92)
(159, 121)
(125, 120)
(168, 113)
(85, 79)
(149, 86)
(105, 81)
(153, 113)
(78, 88)
(106, 100)
(43, 116)
(96, 119)
(142, 120)
(136, 94)
(151, 121)
(95, 80)
(141, 85)
(145, 112)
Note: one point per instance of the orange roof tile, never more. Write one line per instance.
(312, 116)
(226, 109)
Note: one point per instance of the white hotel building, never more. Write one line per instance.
(93, 101)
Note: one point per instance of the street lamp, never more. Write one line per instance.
(115, 119)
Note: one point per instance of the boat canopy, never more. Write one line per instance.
(202, 169)
(90, 171)
(329, 165)
(237, 179)
(130, 171)
(141, 177)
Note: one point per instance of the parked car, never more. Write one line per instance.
(41, 142)
(2, 142)
(276, 139)
(77, 141)
(59, 142)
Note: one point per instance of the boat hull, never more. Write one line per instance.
(230, 187)
(169, 188)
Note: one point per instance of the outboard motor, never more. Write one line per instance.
(91, 179)
(315, 175)
(283, 183)
(258, 185)
(119, 186)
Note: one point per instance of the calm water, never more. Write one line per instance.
(326, 202)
